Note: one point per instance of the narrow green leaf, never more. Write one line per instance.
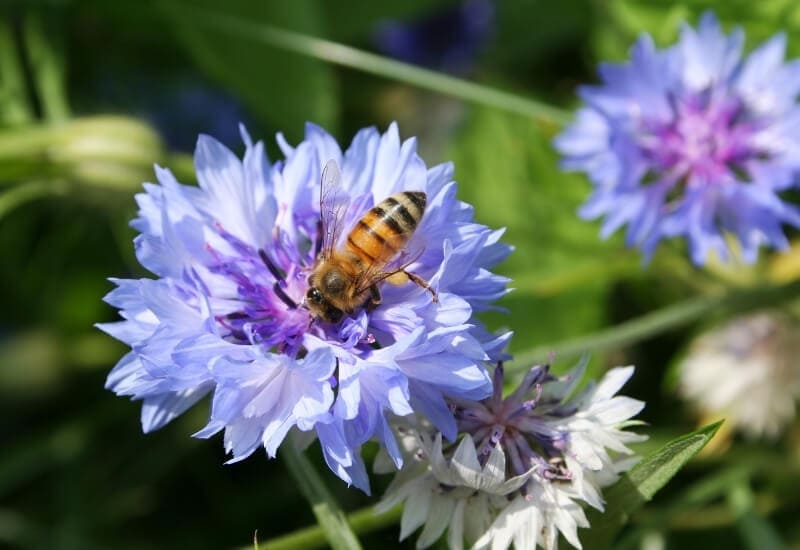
(641, 484)
(330, 517)
(282, 88)
(47, 66)
(14, 106)
(660, 321)
(346, 56)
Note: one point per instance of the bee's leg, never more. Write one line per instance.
(423, 283)
(401, 277)
(374, 299)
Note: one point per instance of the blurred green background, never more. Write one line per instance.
(92, 93)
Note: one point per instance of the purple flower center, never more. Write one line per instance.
(267, 308)
(519, 423)
(707, 138)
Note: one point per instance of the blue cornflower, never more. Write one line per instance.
(693, 141)
(226, 313)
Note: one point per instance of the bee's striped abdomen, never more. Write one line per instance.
(385, 229)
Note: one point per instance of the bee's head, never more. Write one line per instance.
(314, 296)
(320, 307)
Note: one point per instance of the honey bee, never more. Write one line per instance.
(346, 277)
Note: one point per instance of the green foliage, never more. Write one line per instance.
(76, 472)
(642, 483)
(14, 106)
(279, 87)
(330, 518)
(560, 269)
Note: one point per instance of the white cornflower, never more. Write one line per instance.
(747, 371)
(524, 465)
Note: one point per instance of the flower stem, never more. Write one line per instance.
(659, 321)
(361, 522)
(29, 191)
(332, 521)
(346, 56)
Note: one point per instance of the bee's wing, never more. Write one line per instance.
(332, 209)
(378, 271)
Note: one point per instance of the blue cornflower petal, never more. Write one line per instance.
(159, 410)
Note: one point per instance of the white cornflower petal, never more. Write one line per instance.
(440, 512)
(415, 511)
(455, 534)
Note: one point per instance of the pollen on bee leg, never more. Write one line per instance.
(398, 278)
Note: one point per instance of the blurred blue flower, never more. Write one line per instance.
(448, 40)
(179, 106)
(191, 108)
(693, 141)
(227, 315)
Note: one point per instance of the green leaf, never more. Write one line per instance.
(252, 31)
(641, 484)
(47, 66)
(329, 516)
(282, 88)
(14, 106)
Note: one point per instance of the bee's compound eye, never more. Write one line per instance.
(314, 295)
(333, 314)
